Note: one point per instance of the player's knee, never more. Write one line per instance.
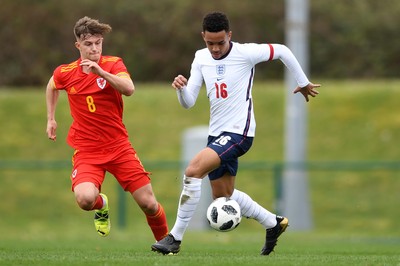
(190, 171)
(84, 202)
(195, 172)
(149, 207)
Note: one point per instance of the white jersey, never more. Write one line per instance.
(229, 82)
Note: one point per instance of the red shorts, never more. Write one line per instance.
(122, 162)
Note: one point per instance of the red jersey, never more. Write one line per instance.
(96, 107)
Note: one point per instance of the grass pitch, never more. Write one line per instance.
(206, 248)
(355, 211)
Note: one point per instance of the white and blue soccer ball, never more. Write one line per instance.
(224, 214)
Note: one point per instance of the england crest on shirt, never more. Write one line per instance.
(220, 69)
(101, 83)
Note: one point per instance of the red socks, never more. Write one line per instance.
(158, 223)
(98, 204)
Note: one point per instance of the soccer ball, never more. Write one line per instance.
(224, 214)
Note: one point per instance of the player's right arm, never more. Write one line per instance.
(51, 104)
(188, 90)
(187, 95)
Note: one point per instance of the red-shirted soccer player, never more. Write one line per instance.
(95, 85)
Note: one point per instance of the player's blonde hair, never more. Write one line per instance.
(86, 27)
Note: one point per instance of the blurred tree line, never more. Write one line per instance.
(157, 38)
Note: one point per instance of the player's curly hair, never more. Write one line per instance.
(86, 27)
(215, 22)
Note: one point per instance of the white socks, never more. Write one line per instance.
(252, 209)
(190, 197)
(188, 201)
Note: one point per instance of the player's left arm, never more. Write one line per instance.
(308, 90)
(305, 87)
(121, 81)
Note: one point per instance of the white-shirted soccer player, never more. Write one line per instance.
(227, 69)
